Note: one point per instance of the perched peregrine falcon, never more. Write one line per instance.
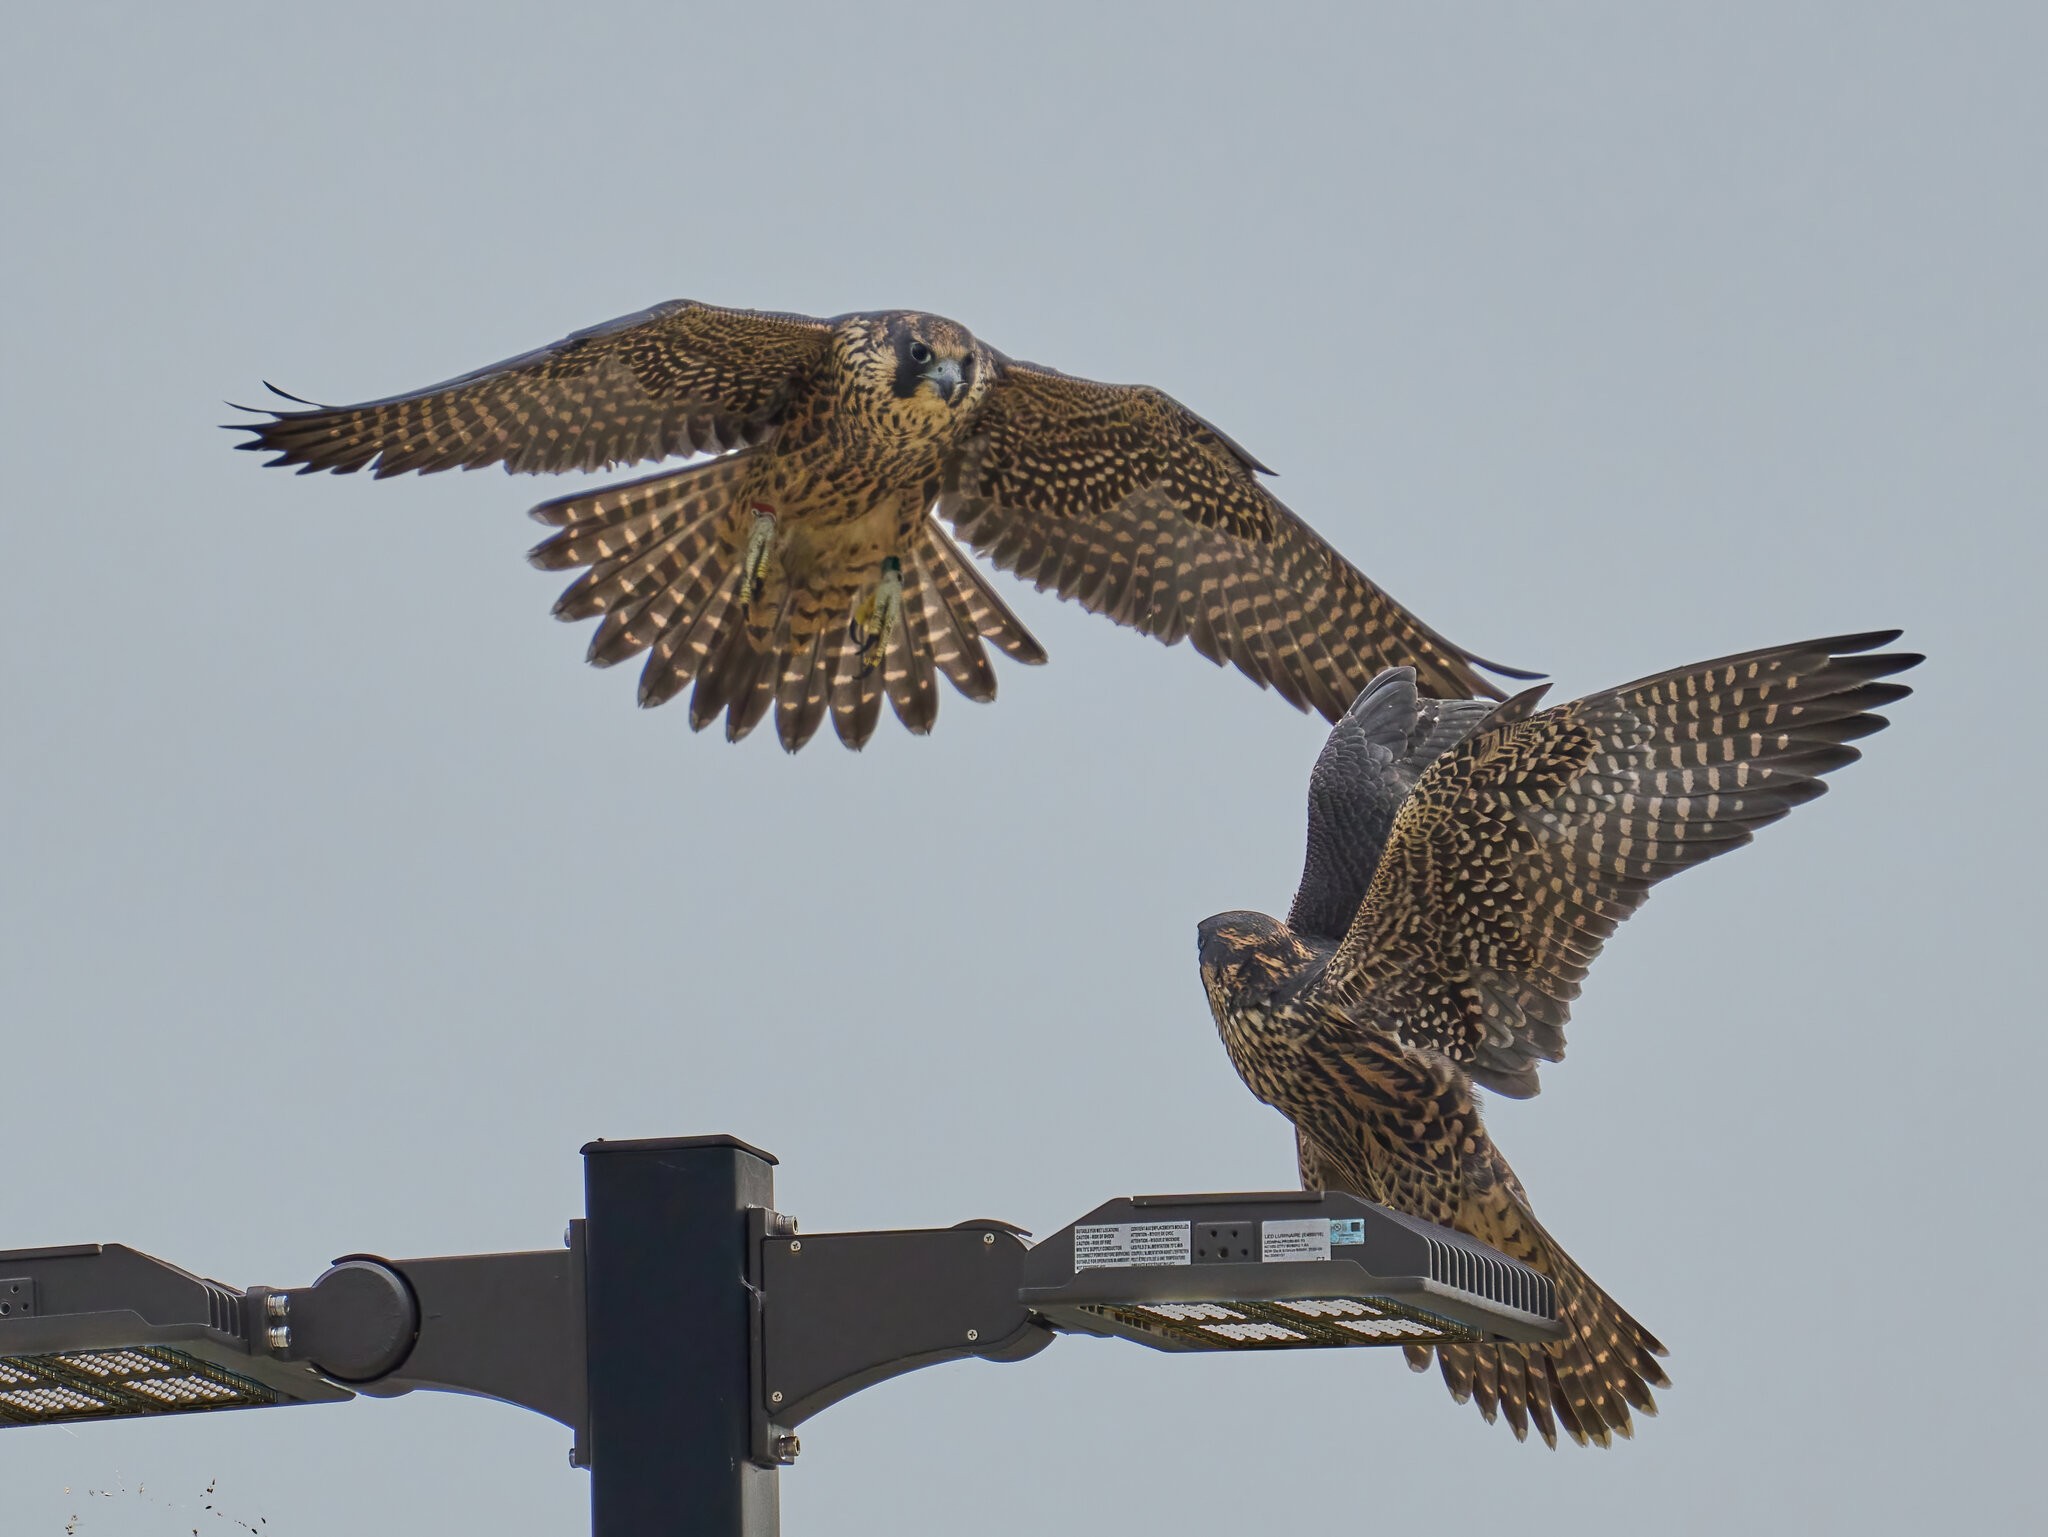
(1465, 864)
(803, 567)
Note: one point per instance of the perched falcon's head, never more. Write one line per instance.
(1248, 958)
(920, 375)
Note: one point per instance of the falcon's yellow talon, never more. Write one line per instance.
(760, 544)
(878, 614)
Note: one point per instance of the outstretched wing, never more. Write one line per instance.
(681, 378)
(1519, 852)
(1127, 502)
(1369, 763)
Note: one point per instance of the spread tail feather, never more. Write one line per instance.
(1588, 1383)
(662, 555)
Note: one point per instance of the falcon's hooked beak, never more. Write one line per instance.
(949, 377)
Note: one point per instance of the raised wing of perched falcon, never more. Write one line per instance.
(1374, 754)
(803, 567)
(1465, 866)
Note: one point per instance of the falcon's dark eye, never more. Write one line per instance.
(920, 354)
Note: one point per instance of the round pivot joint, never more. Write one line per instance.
(357, 1322)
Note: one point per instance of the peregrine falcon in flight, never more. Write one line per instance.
(803, 568)
(1466, 861)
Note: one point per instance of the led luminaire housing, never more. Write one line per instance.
(1280, 1271)
(100, 1331)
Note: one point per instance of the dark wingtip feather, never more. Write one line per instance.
(1824, 758)
(557, 512)
(1517, 673)
(1855, 727)
(1875, 696)
(1516, 707)
(1380, 692)
(1867, 640)
(297, 400)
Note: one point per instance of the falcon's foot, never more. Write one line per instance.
(875, 620)
(760, 542)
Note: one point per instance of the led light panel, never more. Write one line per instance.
(1313, 1321)
(109, 1384)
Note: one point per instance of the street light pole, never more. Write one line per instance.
(671, 1320)
(683, 1331)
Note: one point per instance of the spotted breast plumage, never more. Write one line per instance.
(803, 566)
(1466, 862)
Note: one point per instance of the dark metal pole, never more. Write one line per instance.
(669, 1317)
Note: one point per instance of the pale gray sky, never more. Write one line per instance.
(342, 902)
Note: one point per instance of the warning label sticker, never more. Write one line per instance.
(1306, 1238)
(1125, 1245)
(1345, 1230)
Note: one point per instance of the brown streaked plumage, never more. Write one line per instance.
(804, 569)
(1465, 866)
